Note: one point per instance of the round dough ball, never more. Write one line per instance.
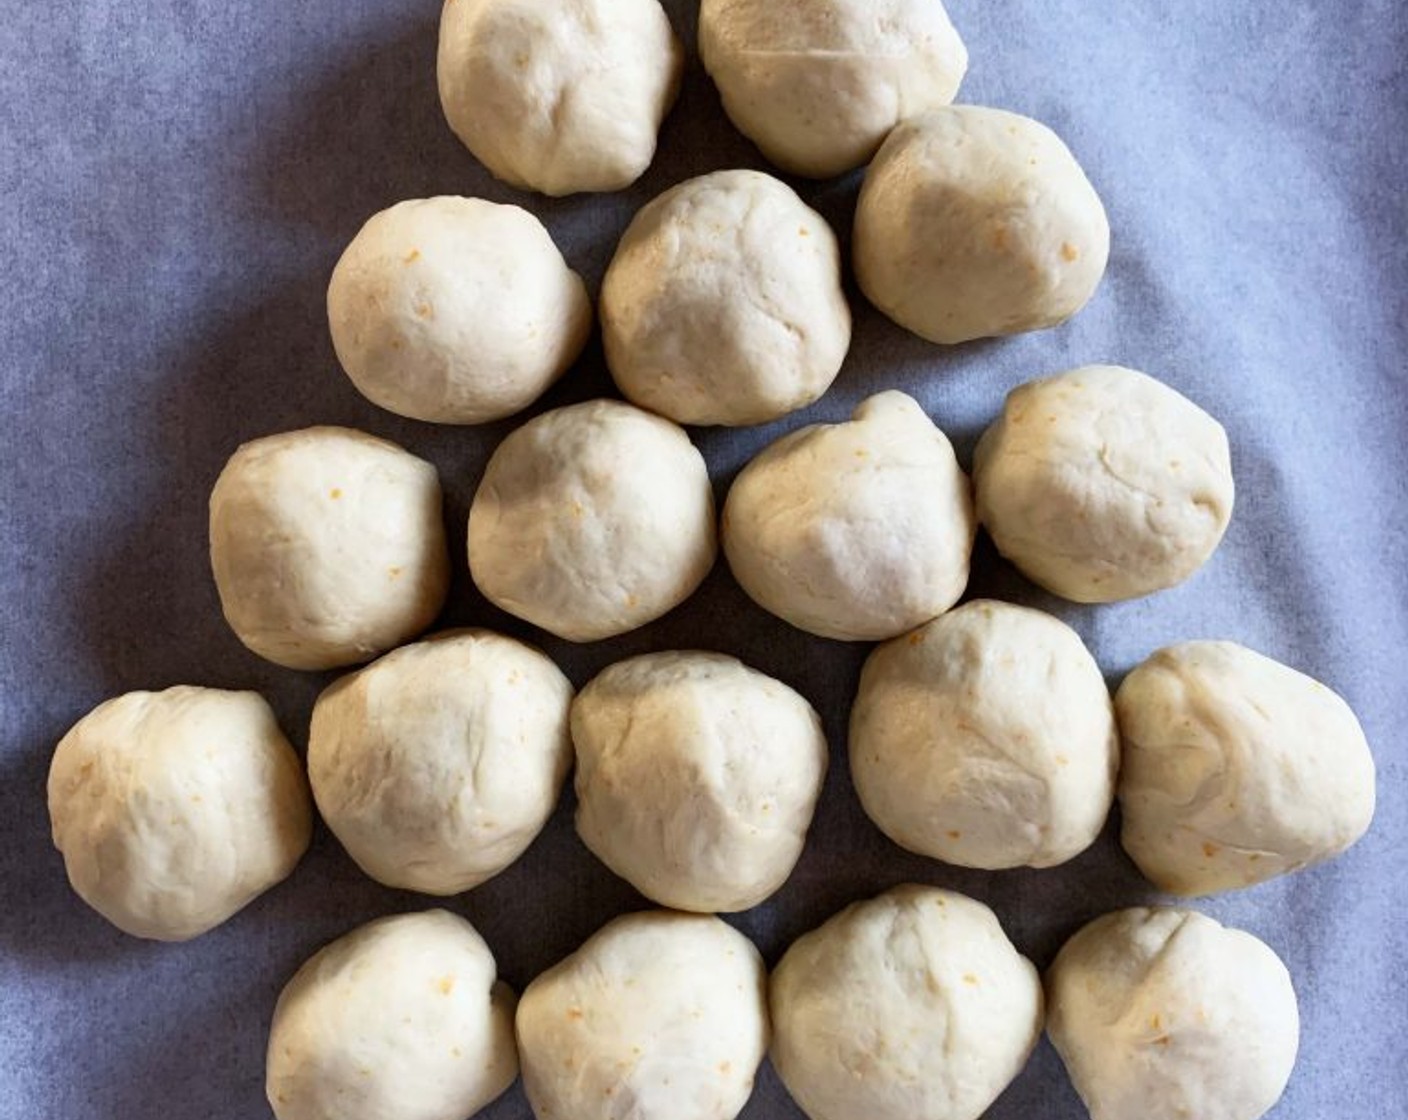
(1164, 1015)
(438, 765)
(558, 96)
(696, 777)
(174, 809)
(977, 222)
(858, 531)
(401, 1019)
(723, 303)
(659, 1016)
(986, 739)
(1236, 769)
(912, 1004)
(1103, 484)
(818, 85)
(592, 520)
(455, 310)
(328, 546)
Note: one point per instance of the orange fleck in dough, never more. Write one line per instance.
(334, 493)
(413, 255)
(1069, 252)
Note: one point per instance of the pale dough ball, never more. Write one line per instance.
(328, 546)
(696, 777)
(977, 222)
(723, 303)
(858, 531)
(592, 520)
(1166, 1015)
(986, 739)
(1236, 769)
(401, 1019)
(174, 809)
(910, 1005)
(1103, 484)
(658, 1016)
(818, 85)
(438, 765)
(455, 310)
(558, 96)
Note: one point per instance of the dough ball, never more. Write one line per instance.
(976, 222)
(558, 96)
(696, 777)
(174, 809)
(401, 1019)
(1103, 484)
(455, 310)
(818, 85)
(1236, 769)
(1165, 1015)
(910, 1005)
(659, 1016)
(328, 546)
(723, 303)
(986, 739)
(592, 520)
(438, 765)
(858, 531)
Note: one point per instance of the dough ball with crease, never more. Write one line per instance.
(1103, 484)
(1163, 1014)
(858, 531)
(1236, 769)
(723, 303)
(696, 777)
(592, 520)
(817, 84)
(986, 738)
(558, 96)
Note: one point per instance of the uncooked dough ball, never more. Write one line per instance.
(658, 1016)
(817, 85)
(174, 809)
(438, 765)
(858, 531)
(977, 222)
(910, 1005)
(455, 310)
(401, 1019)
(696, 777)
(1236, 769)
(592, 520)
(558, 95)
(1166, 1015)
(723, 303)
(1103, 484)
(328, 546)
(986, 739)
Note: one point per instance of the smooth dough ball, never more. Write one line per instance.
(1103, 484)
(328, 546)
(1236, 769)
(592, 520)
(977, 222)
(401, 1019)
(858, 531)
(658, 1016)
(455, 310)
(818, 85)
(1165, 1015)
(696, 777)
(174, 809)
(558, 96)
(723, 303)
(910, 1005)
(438, 765)
(986, 739)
